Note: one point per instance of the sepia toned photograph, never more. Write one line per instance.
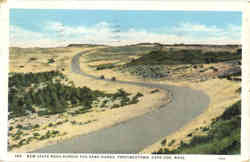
(124, 81)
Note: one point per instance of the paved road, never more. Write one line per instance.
(135, 134)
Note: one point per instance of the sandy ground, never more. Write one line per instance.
(3, 1)
(108, 73)
(222, 94)
(97, 118)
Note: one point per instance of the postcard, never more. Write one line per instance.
(124, 84)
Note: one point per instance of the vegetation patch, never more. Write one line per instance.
(51, 61)
(122, 53)
(163, 63)
(222, 136)
(34, 136)
(50, 93)
(104, 66)
(154, 91)
(180, 57)
(118, 99)
(82, 123)
(147, 71)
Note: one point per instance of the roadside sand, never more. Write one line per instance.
(222, 94)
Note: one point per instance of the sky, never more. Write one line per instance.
(54, 27)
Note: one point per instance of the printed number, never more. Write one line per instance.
(18, 156)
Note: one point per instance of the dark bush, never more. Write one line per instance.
(50, 61)
(59, 123)
(232, 111)
(163, 142)
(55, 132)
(102, 77)
(105, 66)
(115, 106)
(155, 91)
(19, 126)
(239, 51)
(238, 90)
(11, 128)
(35, 134)
(42, 113)
(33, 59)
(199, 139)
(139, 94)
(17, 137)
(171, 142)
(36, 126)
(204, 129)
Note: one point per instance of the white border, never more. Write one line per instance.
(4, 50)
(246, 90)
(245, 94)
(212, 5)
(221, 5)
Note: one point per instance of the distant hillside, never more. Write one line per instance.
(173, 57)
(84, 45)
(188, 45)
(34, 50)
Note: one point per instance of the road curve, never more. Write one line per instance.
(135, 134)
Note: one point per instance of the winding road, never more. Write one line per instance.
(135, 134)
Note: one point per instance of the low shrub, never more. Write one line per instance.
(59, 123)
(232, 111)
(42, 113)
(115, 106)
(35, 134)
(154, 91)
(163, 142)
(36, 126)
(17, 137)
(204, 129)
(102, 77)
(11, 128)
(51, 60)
(33, 59)
(105, 66)
(54, 132)
(22, 142)
(19, 126)
(171, 142)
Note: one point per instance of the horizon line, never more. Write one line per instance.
(145, 43)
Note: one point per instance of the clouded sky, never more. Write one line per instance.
(49, 28)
